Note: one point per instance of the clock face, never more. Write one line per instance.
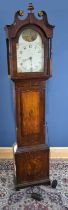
(30, 52)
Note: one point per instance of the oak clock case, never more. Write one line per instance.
(29, 55)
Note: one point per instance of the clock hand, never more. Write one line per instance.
(31, 62)
(30, 58)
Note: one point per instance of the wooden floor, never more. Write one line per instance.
(55, 152)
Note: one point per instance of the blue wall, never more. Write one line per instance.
(57, 86)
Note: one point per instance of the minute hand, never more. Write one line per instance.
(31, 63)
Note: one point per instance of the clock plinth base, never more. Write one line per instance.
(32, 166)
(44, 182)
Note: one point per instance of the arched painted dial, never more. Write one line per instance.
(30, 52)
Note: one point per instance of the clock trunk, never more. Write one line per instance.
(30, 112)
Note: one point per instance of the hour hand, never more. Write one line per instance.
(30, 58)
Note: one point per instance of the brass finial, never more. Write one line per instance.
(41, 13)
(44, 15)
(30, 7)
(20, 12)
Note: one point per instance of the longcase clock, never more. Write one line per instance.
(29, 53)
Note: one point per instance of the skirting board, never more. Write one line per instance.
(55, 152)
